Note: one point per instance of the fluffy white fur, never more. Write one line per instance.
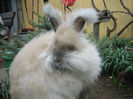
(53, 12)
(90, 15)
(34, 74)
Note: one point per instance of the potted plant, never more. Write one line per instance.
(8, 57)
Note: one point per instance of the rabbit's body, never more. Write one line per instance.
(54, 66)
(30, 80)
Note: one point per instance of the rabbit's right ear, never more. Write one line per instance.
(54, 15)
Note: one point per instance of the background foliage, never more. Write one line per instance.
(117, 60)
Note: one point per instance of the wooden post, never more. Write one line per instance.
(96, 27)
(17, 16)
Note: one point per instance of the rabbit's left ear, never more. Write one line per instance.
(54, 15)
(79, 17)
(54, 23)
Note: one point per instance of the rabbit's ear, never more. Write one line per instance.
(79, 24)
(54, 15)
(54, 23)
(78, 18)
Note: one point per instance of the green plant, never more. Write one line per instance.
(130, 43)
(116, 58)
(13, 45)
(9, 49)
(90, 37)
(119, 42)
(4, 89)
(31, 35)
(113, 41)
(103, 44)
(2, 30)
(43, 22)
(118, 81)
(2, 26)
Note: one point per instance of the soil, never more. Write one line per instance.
(106, 89)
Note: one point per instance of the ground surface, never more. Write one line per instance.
(103, 89)
(106, 89)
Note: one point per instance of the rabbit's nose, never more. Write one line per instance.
(57, 60)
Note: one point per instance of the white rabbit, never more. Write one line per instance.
(57, 65)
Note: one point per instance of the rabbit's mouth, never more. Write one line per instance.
(53, 63)
(71, 62)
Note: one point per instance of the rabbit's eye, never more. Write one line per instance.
(68, 48)
(71, 48)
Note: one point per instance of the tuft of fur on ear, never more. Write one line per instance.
(54, 15)
(90, 15)
(78, 17)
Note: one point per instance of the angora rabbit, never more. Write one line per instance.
(57, 65)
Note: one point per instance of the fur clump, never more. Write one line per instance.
(57, 65)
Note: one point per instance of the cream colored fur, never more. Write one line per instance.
(33, 74)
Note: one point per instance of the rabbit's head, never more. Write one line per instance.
(70, 50)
